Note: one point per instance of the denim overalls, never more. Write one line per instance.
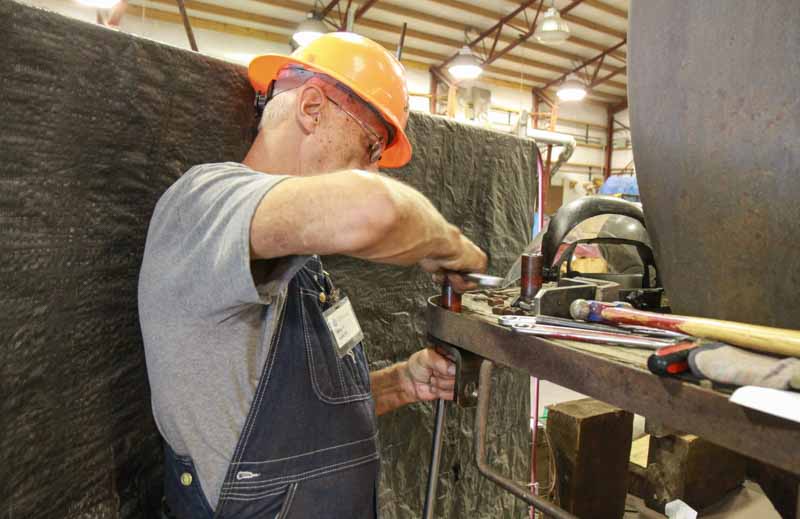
(308, 448)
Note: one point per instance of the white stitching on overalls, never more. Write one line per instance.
(348, 444)
(261, 390)
(319, 471)
(314, 382)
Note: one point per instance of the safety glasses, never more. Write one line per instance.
(364, 115)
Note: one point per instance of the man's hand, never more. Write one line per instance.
(462, 256)
(457, 281)
(428, 376)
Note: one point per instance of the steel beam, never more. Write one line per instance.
(364, 8)
(327, 9)
(496, 28)
(605, 78)
(586, 63)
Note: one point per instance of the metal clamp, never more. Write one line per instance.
(467, 369)
(481, 419)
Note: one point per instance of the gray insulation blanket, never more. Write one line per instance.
(96, 124)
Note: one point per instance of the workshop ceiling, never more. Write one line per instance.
(436, 30)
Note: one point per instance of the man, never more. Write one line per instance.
(260, 385)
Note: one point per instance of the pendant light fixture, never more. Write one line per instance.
(572, 89)
(552, 29)
(466, 65)
(309, 29)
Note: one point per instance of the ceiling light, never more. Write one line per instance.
(99, 4)
(571, 89)
(552, 29)
(466, 65)
(309, 30)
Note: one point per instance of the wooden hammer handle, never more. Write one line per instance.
(781, 341)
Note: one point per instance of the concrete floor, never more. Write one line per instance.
(748, 502)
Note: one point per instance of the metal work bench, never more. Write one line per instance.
(619, 376)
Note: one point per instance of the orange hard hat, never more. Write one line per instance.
(363, 66)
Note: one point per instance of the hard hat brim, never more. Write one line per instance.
(263, 69)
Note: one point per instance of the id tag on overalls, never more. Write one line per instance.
(344, 327)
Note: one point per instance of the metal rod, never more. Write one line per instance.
(557, 332)
(481, 420)
(609, 143)
(452, 301)
(187, 25)
(436, 457)
(402, 42)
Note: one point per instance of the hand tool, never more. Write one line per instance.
(754, 337)
(556, 332)
(672, 359)
(654, 332)
(484, 280)
(452, 301)
(510, 320)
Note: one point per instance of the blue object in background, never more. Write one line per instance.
(624, 185)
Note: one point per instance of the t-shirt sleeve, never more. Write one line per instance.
(197, 254)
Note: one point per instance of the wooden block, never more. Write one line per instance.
(637, 468)
(591, 441)
(689, 468)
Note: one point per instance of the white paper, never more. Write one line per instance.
(777, 402)
(679, 510)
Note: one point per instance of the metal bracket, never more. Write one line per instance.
(555, 301)
(606, 290)
(468, 366)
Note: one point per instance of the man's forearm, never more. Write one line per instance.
(390, 388)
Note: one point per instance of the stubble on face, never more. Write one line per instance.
(340, 144)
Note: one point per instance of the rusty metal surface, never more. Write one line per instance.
(715, 124)
(677, 404)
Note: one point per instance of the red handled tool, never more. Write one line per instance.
(673, 359)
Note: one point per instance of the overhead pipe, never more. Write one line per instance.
(556, 139)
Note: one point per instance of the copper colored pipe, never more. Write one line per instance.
(450, 298)
(531, 270)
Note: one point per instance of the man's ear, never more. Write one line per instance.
(310, 103)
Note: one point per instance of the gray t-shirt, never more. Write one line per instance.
(207, 312)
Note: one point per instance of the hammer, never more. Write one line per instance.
(780, 341)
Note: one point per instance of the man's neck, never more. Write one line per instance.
(272, 155)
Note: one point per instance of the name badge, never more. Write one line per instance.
(343, 325)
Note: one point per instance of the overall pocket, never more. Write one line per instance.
(268, 503)
(335, 380)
